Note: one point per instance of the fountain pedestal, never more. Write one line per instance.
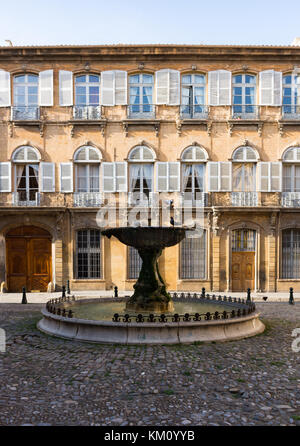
(150, 291)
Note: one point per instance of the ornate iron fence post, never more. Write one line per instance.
(116, 291)
(24, 298)
(203, 293)
(68, 287)
(63, 291)
(291, 300)
(248, 295)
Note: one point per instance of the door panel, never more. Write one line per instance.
(243, 271)
(40, 264)
(17, 264)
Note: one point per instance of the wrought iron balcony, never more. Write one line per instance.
(141, 111)
(87, 112)
(290, 199)
(244, 199)
(194, 111)
(87, 199)
(26, 199)
(245, 112)
(20, 113)
(291, 112)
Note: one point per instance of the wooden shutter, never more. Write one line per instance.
(120, 87)
(270, 88)
(5, 177)
(174, 87)
(174, 177)
(47, 177)
(161, 177)
(108, 177)
(219, 87)
(120, 176)
(5, 99)
(213, 176)
(108, 88)
(65, 88)
(66, 177)
(270, 177)
(46, 88)
(225, 176)
(213, 88)
(162, 87)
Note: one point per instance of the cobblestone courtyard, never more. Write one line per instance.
(48, 381)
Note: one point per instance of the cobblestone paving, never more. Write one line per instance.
(48, 381)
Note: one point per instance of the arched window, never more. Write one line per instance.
(88, 254)
(141, 95)
(141, 165)
(291, 170)
(291, 254)
(244, 161)
(26, 97)
(193, 96)
(193, 257)
(87, 169)
(193, 162)
(290, 95)
(26, 171)
(244, 96)
(87, 97)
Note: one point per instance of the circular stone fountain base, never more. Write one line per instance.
(106, 332)
(152, 307)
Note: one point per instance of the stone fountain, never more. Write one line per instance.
(150, 293)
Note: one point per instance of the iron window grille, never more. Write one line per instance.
(88, 254)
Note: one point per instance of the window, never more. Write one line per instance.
(291, 170)
(134, 263)
(141, 171)
(193, 172)
(26, 97)
(244, 170)
(243, 240)
(290, 100)
(193, 95)
(88, 254)
(244, 96)
(141, 95)
(193, 257)
(291, 254)
(87, 161)
(26, 163)
(87, 90)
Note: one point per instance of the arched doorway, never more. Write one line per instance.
(28, 259)
(243, 259)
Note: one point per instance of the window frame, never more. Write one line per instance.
(89, 251)
(244, 106)
(141, 105)
(86, 85)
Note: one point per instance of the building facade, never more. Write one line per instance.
(219, 125)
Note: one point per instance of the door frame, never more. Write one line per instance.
(257, 230)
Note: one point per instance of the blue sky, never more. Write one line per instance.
(92, 22)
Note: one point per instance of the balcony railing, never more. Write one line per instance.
(87, 199)
(25, 113)
(88, 112)
(291, 112)
(290, 199)
(141, 111)
(194, 111)
(245, 112)
(26, 199)
(244, 199)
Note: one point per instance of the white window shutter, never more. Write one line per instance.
(213, 88)
(174, 176)
(120, 87)
(276, 176)
(225, 176)
(47, 177)
(108, 177)
(162, 87)
(213, 176)
(5, 99)
(5, 177)
(65, 88)
(108, 88)
(277, 98)
(174, 87)
(66, 177)
(224, 87)
(46, 88)
(270, 176)
(161, 177)
(266, 87)
(264, 177)
(121, 177)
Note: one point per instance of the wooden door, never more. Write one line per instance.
(28, 259)
(243, 271)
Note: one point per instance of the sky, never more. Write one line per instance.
(97, 22)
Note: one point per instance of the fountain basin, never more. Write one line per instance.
(132, 333)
